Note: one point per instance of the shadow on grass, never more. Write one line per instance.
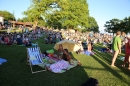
(108, 58)
(17, 73)
(101, 57)
(79, 70)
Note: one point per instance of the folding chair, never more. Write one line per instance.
(34, 57)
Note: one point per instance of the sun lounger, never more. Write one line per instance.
(34, 58)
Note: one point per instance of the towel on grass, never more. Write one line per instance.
(2, 61)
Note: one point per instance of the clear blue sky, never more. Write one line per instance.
(101, 10)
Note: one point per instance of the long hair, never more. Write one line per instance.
(66, 50)
(59, 50)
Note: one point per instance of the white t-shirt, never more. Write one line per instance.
(25, 39)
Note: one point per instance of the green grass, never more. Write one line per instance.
(15, 72)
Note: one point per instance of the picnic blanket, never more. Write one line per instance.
(2, 61)
(59, 66)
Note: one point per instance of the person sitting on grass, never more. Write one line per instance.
(46, 40)
(6, 39)
(80, 47)
(66, 56)
(60, 51)
(89, 49)
(26, 41)
(105, 49)
(19, 40)
(1, 41)
(62, 64)
(10, 40)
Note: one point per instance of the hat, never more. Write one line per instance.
(128, 36)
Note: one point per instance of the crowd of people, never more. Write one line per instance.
(84, 40)
(24, 38)
(111, 44)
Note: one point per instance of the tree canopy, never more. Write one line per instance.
(114, 25)
(24, 19)
(63, 13)
(7, 15)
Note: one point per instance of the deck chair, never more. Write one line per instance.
(34, 57)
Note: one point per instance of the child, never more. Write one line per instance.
(60, 51)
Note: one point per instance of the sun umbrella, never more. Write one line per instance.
(70, 45)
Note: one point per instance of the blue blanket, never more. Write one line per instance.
(2, 61)
(88, 53)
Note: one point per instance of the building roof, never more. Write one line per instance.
(1, 15)
(21, 23)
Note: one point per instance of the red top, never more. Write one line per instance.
(6, 39)
(127, 47)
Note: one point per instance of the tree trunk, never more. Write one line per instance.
(35, 24)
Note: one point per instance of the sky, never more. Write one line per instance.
(101, 10)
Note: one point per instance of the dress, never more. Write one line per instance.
(127, 47)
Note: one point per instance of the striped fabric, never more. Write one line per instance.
(59, 66)
(34, 55)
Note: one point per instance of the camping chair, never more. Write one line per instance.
(34, 57)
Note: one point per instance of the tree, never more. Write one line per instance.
(7, 15)
(125, 25)
(19, 20)
(73, 13)
(93, 26)
(37, 9)
(112, 26)
(115, 24)
(41, 22)
(62, 13)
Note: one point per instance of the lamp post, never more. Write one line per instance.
(13, 19)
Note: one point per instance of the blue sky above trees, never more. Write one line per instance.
(101, 10)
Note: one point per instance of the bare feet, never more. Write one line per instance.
(79, 63)
(47, 68)
(113, 65)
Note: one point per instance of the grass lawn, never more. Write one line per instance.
(15, 72)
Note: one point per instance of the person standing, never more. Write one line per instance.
(123, 37)
(127, 52)
(116, 46)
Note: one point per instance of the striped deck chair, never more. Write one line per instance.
(34, 57)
